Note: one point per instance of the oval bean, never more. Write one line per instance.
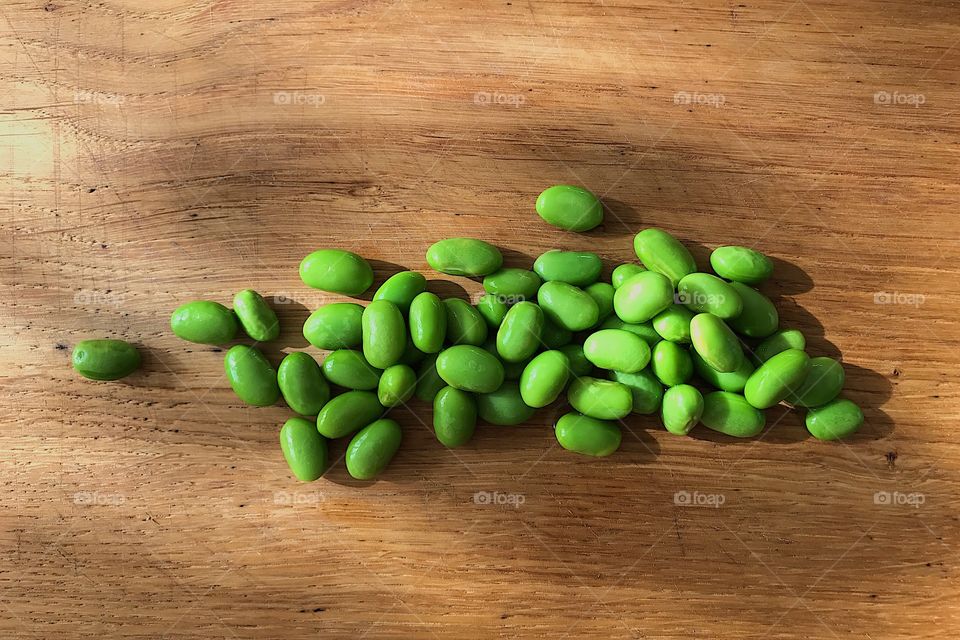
(741, 264)
(578, 268)
(372, 449)
(304, 449)
(337, 271)
(465, 325)
(335, 326)
(673, 323)
(105, 359)
(732, 381)
(705, 293)
(397, 384)
(204, 322)
(428, 322)
(758, 318)
(256, 317)
(348, 412)
(464, 257)
(505, 406)
(567, 306)
(470, 368)
(350, 369)
(519, 334)
(401, 288)
(602, 293)
(617, 350)
(569, 207)
(835, 420)
(544, 378)
(586, 435)
(715, 342)
(642, 297)
(646, 390)
(775, 378)
(251, 376)
(454, 416)
(623, 272)
(671, 363)
(731, 414)
(384, 333)
(302, 384)
(661, 252)
(493, 309)
(779, 342)
(600, 399)
(513, 285)
(822, 384)
(682, 408)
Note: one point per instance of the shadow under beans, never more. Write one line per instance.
(619, 219)
(447, 289)
(787, 279)
(516, 259)
(292, 315)
(382, 270)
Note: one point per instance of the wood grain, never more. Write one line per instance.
(157, 152)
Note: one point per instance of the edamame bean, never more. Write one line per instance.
(566, 305)
(470, 368)
(671, 363)
(778, 342)
(600, 399)
(384, 333)
(346, 413)
(835, 420)
(464, 257)
(586, 435)
(578, 268)
(643, 329)
(553, 336)
(602, 293)
(505, 406)
(411, 355)
(730, 413)
(397, 384)
(822, 384)
(758, 318)
(429, 381)
(623, 272)
(511, 370)
(350, 369)
(493, 309)
(661, 252)
(715, 342)
(775, 378)
(741, 264)
(428, 322)
(372, 449)
(642, 297)
(513, 284)
(519, 335)
(646, 390)
(617, 350)
(569, 207)
(335, 326)
(251, 376)
(337, 271)
(544, 378)
(732, 381)
(204, 322)
(105, 359)
(673, 323)
(705, 293)
(579, 365)
(304, 449)
(302, 384)
(465, 325)
(454, 416)
(255, 315)
(401, 288)
(682, 408)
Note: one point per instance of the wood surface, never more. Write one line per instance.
(156, 152)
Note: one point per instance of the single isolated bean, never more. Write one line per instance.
(775, 378)
(519, 334)
(304, 449)
(730, 413)
(401, 288)
(646, 390)
(302, 384)
(204, 322)
(255, 315)
(493, 310)
(397, 384)
(251, 376)
(643, 296)
(544, 378)
(822, 384)
(643, 329)
(741, 264)
(454, 416)
(566, 305)
(384, 333)
(464, 257)
(705, 293)
(586, 435)
(671, 363)
(470, 368)
(732, 381)
(579, 365)
(661, 252)
(335, 326)
(623, 272)
(372, 449)
(673, 323)
(602, 293)
(835, 420)
(758, 318)
(617, 350)
(600, 399)
(779, 342)
(569, 207)
(349, 369)
(513, 285)
(348, 412)
(429, 381)
(105, 359)
(337, 271)
(682, 408)
(715, 342)
(578, 268)
(553, 336)
(505, 406)
(428, 322)
(465, 325)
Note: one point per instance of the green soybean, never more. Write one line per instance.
(671, 363)
(493, 310)
(778, 342)
(519, 335)
(302, 384)
(505, 406)
(204, 322)
(350, 369)
(578, 268)
(251, 376)
(384, 333)
(646, 390)
(552, 335)
(730, 413)
(758, 318)
(335, 326)
(372, 449)
(715, 342)
(733, 381)
(401, 288)
(661, 252)
(837, 419)
(397, 384)
(586, 435)
(775, 378)
(544, 378)
(569, 207)
(454, 416)
(617, 350)
(579, 365)
(673, 323)
(513, 285)
(464, 257)
(256, 317)
(623, 272)
(428, 322)
(304, 449)
(105, 359)
(741, 264)
(682, 408)
(822, 384)
(601, 399)
(470, 368)
(643, 329)
(337, 271)
(642, 297)
(705, 293)
(411, 356)
(348, 412)
(602, 293)
(429, 381)
(465, 325)
(511, 370)
(566, 305)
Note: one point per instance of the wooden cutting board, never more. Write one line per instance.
(154, 153)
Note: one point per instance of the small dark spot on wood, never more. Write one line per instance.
(103, 245)
(708, 45)
(873, 595)
(50, 7)
(216, 350)
(504, 616)
(891, 458)
(319, 609)
(242, 505)
(194, 215)
(176, 430)
(896, 372)
(60, 346)
(928, 564)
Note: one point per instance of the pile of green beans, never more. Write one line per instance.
(660, 337)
